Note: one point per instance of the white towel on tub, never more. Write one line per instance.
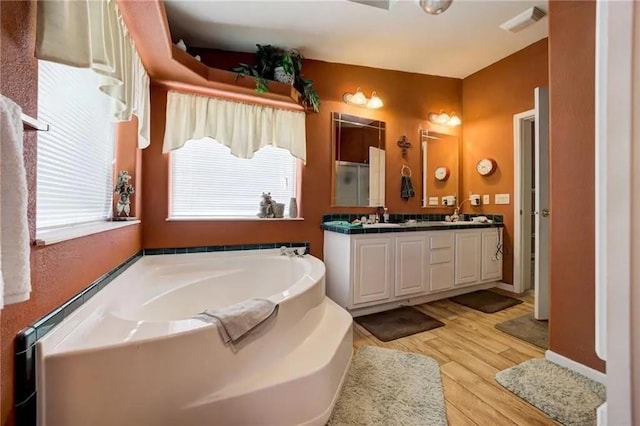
(15, 270)
(236, 321)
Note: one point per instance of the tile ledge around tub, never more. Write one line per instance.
(58, 235)
(232, 219)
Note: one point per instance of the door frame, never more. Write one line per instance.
(522, 199)
(617, 204)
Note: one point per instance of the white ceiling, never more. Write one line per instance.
(461, 41)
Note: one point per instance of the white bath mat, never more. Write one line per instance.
(566, 396)
(387, 387)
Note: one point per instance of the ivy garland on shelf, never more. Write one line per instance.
(268, 60)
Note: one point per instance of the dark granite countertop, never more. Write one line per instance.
(405, 227)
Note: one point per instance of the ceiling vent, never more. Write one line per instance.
(523, 20)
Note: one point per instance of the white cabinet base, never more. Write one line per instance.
(410, 301)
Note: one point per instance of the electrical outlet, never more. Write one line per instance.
(444, 201)
(474, 199)
(433, 201)
(486, 199)
(502, 199)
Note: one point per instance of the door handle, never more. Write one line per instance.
(545, 212)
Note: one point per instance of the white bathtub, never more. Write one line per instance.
(132, 355)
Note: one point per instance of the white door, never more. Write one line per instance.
(467, 261)
(411, 264)
(491, 255)
(376, 177)
(373, 266)
(541, 144)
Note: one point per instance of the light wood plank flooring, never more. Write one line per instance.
(470, 352)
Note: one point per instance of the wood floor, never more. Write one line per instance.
(470, 352)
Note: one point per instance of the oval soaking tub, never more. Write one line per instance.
(132, 355)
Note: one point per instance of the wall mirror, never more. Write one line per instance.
(440, 167)
(358, 161)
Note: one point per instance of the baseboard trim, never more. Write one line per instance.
(576, 366)
(504, 286)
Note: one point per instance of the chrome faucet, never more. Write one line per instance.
(293, 251)
(456, 211)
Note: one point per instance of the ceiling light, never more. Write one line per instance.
(435, 7)
(357, 98)
(375, 102)
(523, 20)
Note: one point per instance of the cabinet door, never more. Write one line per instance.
(467, 262)
(491, 254)
(411, 256)
(372, 269)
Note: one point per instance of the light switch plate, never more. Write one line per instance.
(502, 199)
(433, 201)
(486, 199)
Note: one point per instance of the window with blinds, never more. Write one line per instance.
(208, 181)
(76, 155)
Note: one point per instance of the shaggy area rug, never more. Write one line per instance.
(387, 387)
(566, 396)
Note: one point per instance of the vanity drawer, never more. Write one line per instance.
(441, 240)
(444, 255)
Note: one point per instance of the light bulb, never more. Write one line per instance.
(375, 102)
(454, 120)
(358, 98)
(443, 118)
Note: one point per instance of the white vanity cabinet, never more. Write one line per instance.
(372, 263)
(491, 268)
(373, 272)
(411, 264)
(467, 259)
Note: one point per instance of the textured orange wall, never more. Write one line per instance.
(490, 98)
(408, 99)
(572, 157)
(59, 270)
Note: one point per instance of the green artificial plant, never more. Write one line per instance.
(268, 58)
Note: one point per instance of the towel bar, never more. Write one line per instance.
(31, 123)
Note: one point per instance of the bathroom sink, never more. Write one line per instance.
(381, 225)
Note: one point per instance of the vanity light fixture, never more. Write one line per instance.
(445, 119)
(359, 99)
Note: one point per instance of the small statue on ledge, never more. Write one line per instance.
(266, 206)
(124, 190)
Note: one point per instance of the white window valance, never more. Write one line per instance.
(92, 34)
(244, 128)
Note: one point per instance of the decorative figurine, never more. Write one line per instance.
(124, 189)
(266, 206)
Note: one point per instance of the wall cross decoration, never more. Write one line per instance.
(404, 144)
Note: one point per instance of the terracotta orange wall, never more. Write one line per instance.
(572, 158)
(490, 98)
(59, 270)
(408, 99)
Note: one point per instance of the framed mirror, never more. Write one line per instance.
(440, 167)
(358, 161)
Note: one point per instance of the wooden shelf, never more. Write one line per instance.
(171, 67)
(30, 123)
